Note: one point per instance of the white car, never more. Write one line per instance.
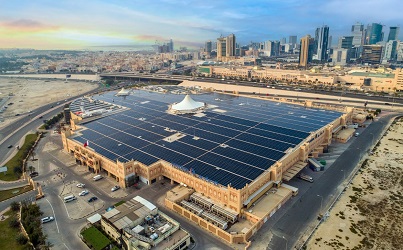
(47, 219)
(80, 185)
(83, 193)
(115, 188)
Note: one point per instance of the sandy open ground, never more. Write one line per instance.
(369, 214)
(29, 94)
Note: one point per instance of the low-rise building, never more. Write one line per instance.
(138, 224)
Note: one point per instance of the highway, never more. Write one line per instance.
(343, 94)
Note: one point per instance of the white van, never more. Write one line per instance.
(97, 177)
(69, 198)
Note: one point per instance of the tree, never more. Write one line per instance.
(17, 170)
(13, 222)
(21, 239)
(15, 206)
(31, 169)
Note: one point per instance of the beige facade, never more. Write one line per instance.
(387, 82)
(234, 198)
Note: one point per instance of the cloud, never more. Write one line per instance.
(27, 25)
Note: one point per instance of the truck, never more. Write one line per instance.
(305, 177)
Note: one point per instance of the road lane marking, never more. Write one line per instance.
(67, 211)
(53, 215)
(66, 246)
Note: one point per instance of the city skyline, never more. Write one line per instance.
(75, 25)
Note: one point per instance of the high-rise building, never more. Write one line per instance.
(374, 34)
(306, 50)
(345, 42)
(271, 48)
(371, 54)
(357, 31)
(341, 56)
(322, 41)
(208, 47)
(283, 40)
(329, 43)
(399, 52)
(393, 33)
(390, 50)
(292, 40)
(226, 47)
(170, 46)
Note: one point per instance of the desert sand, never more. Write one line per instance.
(369, 213)
(29, 94)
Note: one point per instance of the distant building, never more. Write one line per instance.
(345, 42)
(341, 56)
(208, 47)
(371, 54)
(399, 52)
(390, 51)
(306, 51)
(357, 31)
(321, 42)
(292, 40)
(283, 40)
(393, 33)
(271, 48)
(374, 34)
(171, 46)
(226, 48)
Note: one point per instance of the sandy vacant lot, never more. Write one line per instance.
(28, 94)
(369, 214)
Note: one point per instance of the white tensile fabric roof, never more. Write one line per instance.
(187, 104)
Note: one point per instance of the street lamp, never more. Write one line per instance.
(286, 243)
(321, 201)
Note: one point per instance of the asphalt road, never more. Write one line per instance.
(344, 94)
(28, 123)
(295, 221)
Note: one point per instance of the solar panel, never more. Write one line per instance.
(232, 143)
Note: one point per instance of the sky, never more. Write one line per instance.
(77, 24)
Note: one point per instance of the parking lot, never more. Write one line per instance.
(80, 207)
(103, 185)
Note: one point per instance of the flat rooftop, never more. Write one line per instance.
(230, 144)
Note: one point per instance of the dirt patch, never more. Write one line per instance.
(369, 213)
(27, 94)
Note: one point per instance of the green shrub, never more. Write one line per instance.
(21, 239)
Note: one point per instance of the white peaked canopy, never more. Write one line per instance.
(187, 104)
(123, 92)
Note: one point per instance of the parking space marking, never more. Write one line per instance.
(57, 226)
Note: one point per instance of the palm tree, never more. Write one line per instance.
(31, 169)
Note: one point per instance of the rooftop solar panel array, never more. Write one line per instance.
(232, 144)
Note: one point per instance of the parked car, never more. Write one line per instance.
(115, 188)
(33, 174)
(47, 219)
(92, 199)
(80, 185)
(83, 193)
